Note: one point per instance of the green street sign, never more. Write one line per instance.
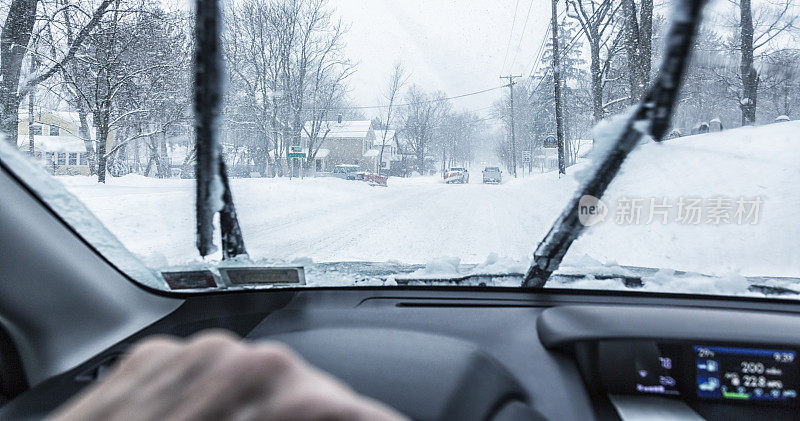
(296, 152)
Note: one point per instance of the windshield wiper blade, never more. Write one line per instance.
(651, 117)
(213, 190)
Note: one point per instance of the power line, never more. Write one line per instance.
(510, 36)
(521, 37)
(409, 104)
(571, 42)
(560, 54)
(481, 120)
(534, 65)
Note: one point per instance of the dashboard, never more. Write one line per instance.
(457, 354)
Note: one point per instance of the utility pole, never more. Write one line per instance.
(510, 85)
(557, 88)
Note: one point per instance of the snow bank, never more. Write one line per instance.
(746, 162)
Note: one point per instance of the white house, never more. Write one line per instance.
(348, 142)
(390, 149)
(57, 143)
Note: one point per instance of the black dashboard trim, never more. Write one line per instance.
(566, 325)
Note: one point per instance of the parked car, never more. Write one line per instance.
(348, 172)
(492, 175)
(456, 175)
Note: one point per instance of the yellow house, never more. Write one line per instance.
(56, 140)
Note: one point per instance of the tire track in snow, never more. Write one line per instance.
(340, 232)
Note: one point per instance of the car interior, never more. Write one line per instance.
(67, 314)
(498, 353)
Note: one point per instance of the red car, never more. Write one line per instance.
(456, 175)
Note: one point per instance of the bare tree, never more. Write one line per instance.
(557, 90)
(632, 40)
(110, 71)
(317, 41)
(155, 102)
(456, 137)
(755, 34)
(14, 40)
(420, 119)
(780, 82)
(328, 89)
(597, 19)
(287, 61)
(748, 71)
(253, 39)
(396, 82)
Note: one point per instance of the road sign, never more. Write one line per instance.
(296, 152)
(550, 142)
(526, 156)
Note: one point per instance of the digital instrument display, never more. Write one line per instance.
(639, 367)
(746, 374)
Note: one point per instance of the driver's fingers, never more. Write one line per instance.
(269, 381)
(310, 394)
(179, 371)
(240, 377)
(102, 399)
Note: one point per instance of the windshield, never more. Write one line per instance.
(346, 134)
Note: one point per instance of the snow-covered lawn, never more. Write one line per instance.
(418, 220)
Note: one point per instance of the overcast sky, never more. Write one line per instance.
(456, 46)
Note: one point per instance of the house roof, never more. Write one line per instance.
(53, 143)
(344, 130)
(379, 137)
(403, 144)
(68, 117)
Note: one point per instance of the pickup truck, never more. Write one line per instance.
(492, 175)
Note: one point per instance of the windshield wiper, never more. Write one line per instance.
(651, 117)
(213, 190)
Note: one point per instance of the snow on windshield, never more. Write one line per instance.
(425, 150)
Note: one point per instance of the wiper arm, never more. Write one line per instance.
(213, 190)
(652, 117)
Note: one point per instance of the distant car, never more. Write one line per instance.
(348, 172)
(492, 175)
(456, 175)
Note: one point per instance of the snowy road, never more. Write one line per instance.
(327, 220)
(418, 220)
